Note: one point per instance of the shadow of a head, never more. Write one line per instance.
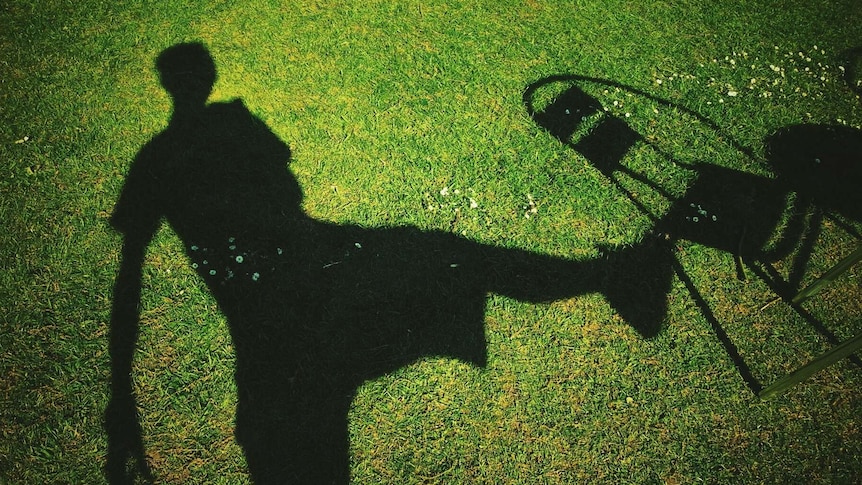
(187, 72)
(820, 163)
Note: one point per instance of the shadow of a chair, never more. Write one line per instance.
(705, 214)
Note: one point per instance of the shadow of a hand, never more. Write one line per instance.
(126, 461)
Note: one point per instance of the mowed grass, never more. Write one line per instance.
(411, 114)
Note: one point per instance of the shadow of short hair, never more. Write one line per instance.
(187, 71)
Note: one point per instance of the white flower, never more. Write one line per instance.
(255, 276)
(195, 265)
(279, 251)
(473, 203)
(358, 246)
(239, 259)
(212, 272)
(194, 248)
(444, 191)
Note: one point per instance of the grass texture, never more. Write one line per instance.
(451, 119)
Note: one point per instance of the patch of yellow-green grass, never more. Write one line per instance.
(412, 114)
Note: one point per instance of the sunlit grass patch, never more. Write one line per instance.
(413, 114)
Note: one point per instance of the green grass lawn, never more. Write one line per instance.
(450, 117)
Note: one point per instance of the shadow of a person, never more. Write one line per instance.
(822, 165)
(314, 309)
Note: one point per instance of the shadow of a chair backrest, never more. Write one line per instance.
(579, 120)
